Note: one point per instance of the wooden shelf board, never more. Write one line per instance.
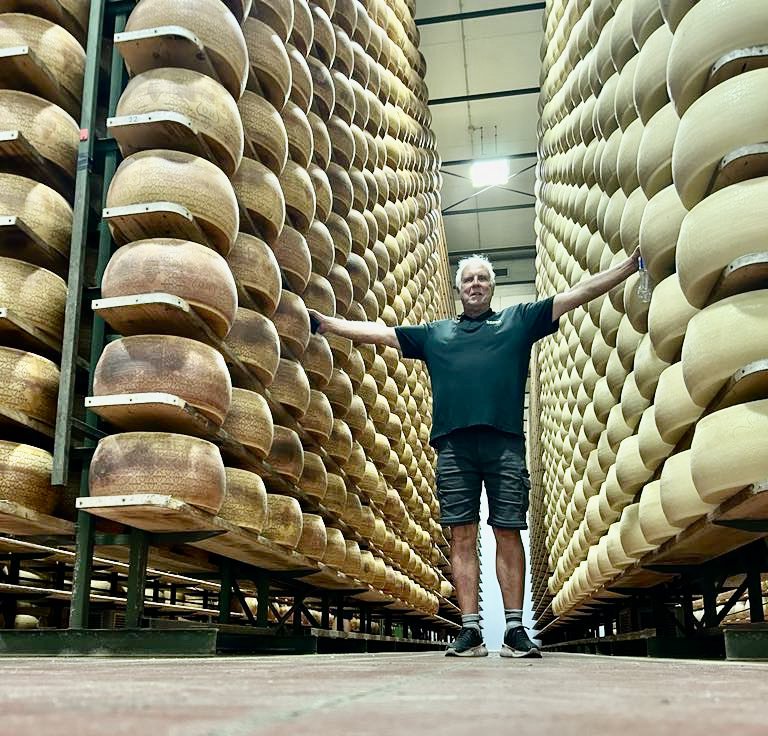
(132, 222)
(19, 156)
(16, 332)
(746, 273)
(17, 240)
(22, 521)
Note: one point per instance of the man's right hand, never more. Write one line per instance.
(317, 321)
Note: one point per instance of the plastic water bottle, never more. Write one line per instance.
(644, 287)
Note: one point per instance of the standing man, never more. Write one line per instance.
(478, 365)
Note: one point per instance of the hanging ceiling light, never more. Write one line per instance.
(489, 172)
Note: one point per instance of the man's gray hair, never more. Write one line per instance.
(476, 259)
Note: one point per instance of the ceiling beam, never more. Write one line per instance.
(510, 252)
(479, 210)
(485, 96)
(511, 156)
(471, 15)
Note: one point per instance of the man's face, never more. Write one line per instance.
(476, 289)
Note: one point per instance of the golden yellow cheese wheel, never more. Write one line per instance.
(314, 477)
(653, 449)
(206, 103)
(708, 242)
(676, 410)
(264, 129)
(314, 538)
(57, 49)
(668, 318)
(291, 321)
(323, 92)
(323, 192)
(724, 119)
(339, 392)
(259, 192)
(659, 230)
(30, 385)
(50, 131)
(336, 549)
(728, 451)
(34, 294)
(187, 468)
(185, 368)
(284, 520)
(321, 248)
(25, 477)
(339, 443)
(249, 421)
(245, 500)
(341, 284)
(290, 387)
(255, 341)
(654, 155)
(721, 339)
(317, 361)
(254, 265)
(654, 525)
(680, 500)
(197, 274)
(270, 67)
(183, 179)
(353, 562)
(293, 256)
(318, 418)
(286, 455)
(617, 555)
(335, 498)
(299, 195)
(217, 28)
(299, 132)
(650, 85)
(42, 209)
(277, 14)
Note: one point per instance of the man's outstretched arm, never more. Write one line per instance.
(594, 286)
(370, 332)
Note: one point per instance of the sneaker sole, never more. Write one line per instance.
(478, 651)
(507, 651)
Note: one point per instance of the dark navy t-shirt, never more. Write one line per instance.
(479, 366)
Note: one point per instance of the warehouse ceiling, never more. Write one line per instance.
(483, 78)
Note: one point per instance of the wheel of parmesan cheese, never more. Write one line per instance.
(722, 120)
(51, 132)
(314, 477)
(168, 364)
(728, 451)
(245, 500)
(652, 447)
(323, 192)
(324, 39)
(186, 468)
(254, 266)
(294, 258)
(659, 230)
(259, 192)
(34, 294)
(317, 361)
(270, 68)
(284, 520)
(336, 548)
(314, 538)
(25, 477)
(301, 83)
(721, 339)
(645, 19)
(673, 11)
(185, 180)
(626, 161)
(631, 472)
(654, 525)
(710, 30)
(249, 421)
(654, 156)
(675, 410)
(286, 455)
(197, 274)
(291, 321)
(299, 196)
(650, 87)
(277, 14)
(680, 500)
(708, 242)
(57, 49)
(291, 388)
(265, 131)
(30, 384)
(335, 498)
(648, 367)
(668, 318)
(319, 295)
(633, 542)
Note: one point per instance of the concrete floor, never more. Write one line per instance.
(371, 694)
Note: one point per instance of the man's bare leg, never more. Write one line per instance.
(465, 566)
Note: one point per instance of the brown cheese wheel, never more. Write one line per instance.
(336, 549)
(253, 264)
(291, 388)
(258, 191)
(185, 269)
(30, 385)
(264, 129)
(255, 341)
(25, 477)
(183, 179)
(314, 538)
(286, 455)
(293, 256)
(291, 320)
(187, 468)
(314, 477)
(270, 67)
(185, 368)
(217, 28)
(245, 500)
(249, 421)
(317, 361)
(277, 14)
(318, 419)
(284, 520)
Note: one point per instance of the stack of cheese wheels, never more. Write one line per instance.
(41, 106)
(638, 147)
(310, 172)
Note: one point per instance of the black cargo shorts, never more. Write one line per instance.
(471, 456)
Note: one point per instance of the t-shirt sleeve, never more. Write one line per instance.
(412, 339)
(538, 318)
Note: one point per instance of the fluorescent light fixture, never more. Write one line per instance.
(489, 173)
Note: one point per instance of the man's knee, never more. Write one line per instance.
(463, 534)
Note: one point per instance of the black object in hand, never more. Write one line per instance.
(314, 323)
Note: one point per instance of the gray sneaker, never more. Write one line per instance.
(469, 643)
(518, 644)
